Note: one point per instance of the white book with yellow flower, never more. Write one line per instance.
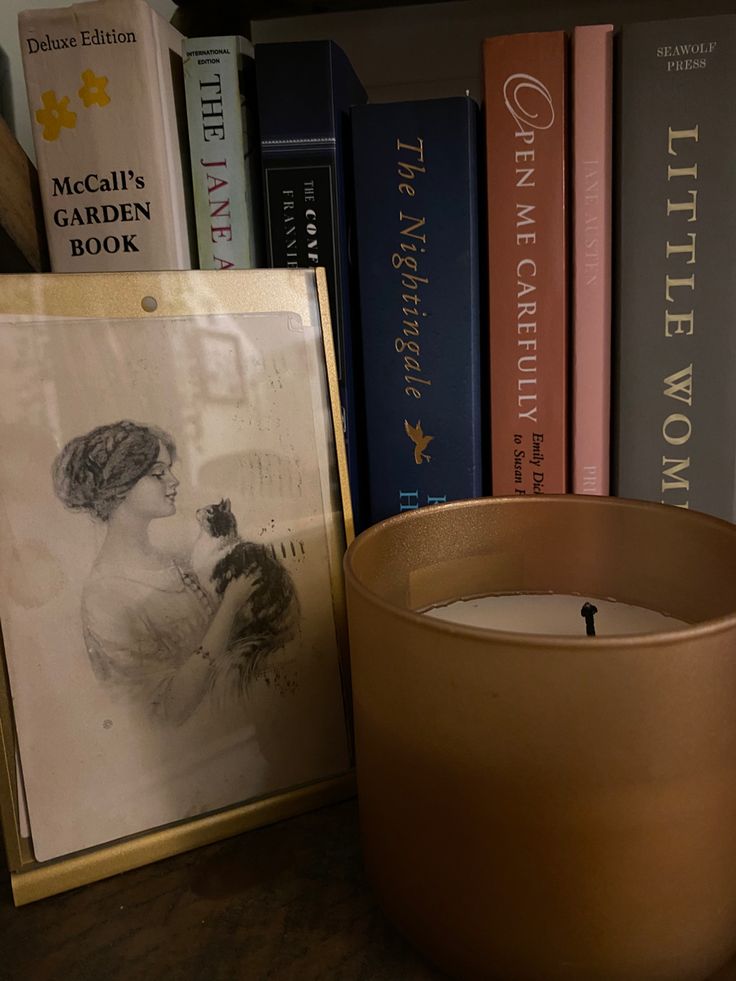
(105, 89)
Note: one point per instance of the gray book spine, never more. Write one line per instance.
(675, 337)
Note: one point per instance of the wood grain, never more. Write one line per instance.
(287, 902)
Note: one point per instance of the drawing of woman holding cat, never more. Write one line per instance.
(149, 626)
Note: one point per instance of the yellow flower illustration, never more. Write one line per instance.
(54, 115)
(93, 91)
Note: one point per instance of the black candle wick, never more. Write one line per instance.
(588, 611)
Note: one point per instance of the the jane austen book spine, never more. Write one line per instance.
(526, 134)
(305, 92)
(592, 106)
(219, 82)
(105, 90)
(416, 196)
(676, 288)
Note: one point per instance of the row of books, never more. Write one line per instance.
(472, 268)
(609, 226)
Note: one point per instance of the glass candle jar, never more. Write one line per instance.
(543, 807)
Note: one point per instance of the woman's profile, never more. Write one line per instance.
(150, 627)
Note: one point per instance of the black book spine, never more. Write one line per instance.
(305, 92)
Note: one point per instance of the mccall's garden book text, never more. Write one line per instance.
(105, 93)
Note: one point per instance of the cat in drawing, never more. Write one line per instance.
(270, 618)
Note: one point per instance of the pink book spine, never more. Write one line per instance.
(592, 98)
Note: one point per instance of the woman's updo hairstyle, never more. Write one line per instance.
(94, 472)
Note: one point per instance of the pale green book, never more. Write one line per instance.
(220, 89)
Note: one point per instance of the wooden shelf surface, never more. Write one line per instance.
(288, 902)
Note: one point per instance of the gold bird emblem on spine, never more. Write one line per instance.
(420, 441)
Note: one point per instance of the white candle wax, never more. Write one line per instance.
(554, 614)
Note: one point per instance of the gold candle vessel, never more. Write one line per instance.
(540, 808)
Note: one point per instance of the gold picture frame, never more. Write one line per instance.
(131, 310)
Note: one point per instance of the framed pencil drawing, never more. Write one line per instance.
(173, 513)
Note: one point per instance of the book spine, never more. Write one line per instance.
(418, 277)
(305, 91)
(218, 76)
(592, 104)
(23, 245)
(676, 289)
(105, 94)
(526, 132)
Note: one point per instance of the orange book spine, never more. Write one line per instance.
(526, 138)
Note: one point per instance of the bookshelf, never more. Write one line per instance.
(413, 51)
(434, 49)
(416, 50)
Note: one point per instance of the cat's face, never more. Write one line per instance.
(217, 520)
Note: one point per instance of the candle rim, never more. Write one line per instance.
(680, 636)
(684, 634)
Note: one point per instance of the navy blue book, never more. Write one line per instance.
(305, 92)
(415, 174)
